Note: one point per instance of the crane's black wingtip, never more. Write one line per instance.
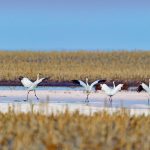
(46, 78)
(140, 88)
(20, 78)
(101, 81)
(75, 81)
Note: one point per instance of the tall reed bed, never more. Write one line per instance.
(74, 131)
(64, 66)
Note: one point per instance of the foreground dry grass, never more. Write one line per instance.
(64, 66)
(73, 131)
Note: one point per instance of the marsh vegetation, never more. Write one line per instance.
(74, 131)
(65, 66)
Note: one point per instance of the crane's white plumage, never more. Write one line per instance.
(31, 86)
(87, 87)
(81, 83)
(95, 82)
(26, 82)
(111, 91)
(144, 87)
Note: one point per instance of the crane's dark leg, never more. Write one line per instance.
(27, 96)
(110, 99)
(36, 95)
(148, 101)
(87, 98)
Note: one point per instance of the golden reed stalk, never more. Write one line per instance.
(65, 66)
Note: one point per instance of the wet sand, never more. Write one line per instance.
(57, 101)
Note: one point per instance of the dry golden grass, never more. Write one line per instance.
(64, 66)
(74, 131)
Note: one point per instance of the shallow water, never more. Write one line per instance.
(73, 96)
(55, 88)
(105, 103)
(71, 100)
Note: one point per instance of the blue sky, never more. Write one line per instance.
(74, 24)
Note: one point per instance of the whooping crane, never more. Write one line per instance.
(98, 86)
(144, 87)
(87, 87)
(111, 91)
(31, 86)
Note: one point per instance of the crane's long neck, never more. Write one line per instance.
(149, 83)
(87, 82)
(114, 84)
(116, 89)
(38, 76)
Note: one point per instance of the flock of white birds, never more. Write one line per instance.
(109, 91)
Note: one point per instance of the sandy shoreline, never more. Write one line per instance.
(58, 101)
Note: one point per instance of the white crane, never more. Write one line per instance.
(87, 87)
(31, 86)
(111, 91)
(144, 87)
